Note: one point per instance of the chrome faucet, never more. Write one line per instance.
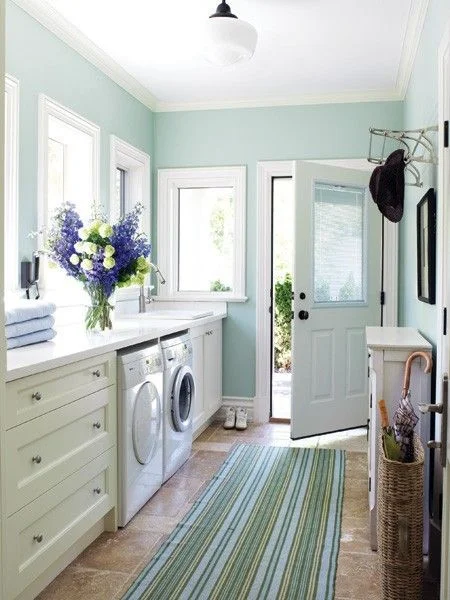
(143, 299)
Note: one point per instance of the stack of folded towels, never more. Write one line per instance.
(29, 322)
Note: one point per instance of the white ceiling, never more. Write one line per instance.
(308, 50)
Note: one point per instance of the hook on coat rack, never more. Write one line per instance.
(417, 144)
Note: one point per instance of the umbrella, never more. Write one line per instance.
(405, 419)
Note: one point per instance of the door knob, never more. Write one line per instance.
(303, 315)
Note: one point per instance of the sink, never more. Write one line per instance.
(174, 315)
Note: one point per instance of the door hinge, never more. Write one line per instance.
(370, 403)
(292, 315)
(444, 321)
(382, 298)
(370, 484)
(270, 309)
(368, 371)
(445, 134)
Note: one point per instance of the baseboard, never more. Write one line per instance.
(227, 401)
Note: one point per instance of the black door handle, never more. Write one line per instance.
(303, 315)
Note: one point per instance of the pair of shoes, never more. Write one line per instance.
(236, 418)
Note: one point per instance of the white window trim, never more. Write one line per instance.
(12, 88)
(169, 182)
(265, 172)
(138, 166)
(49, 107)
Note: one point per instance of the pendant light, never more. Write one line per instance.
(228, 39)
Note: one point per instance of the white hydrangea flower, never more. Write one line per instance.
(74, 259)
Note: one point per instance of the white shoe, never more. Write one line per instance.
(230, 419)
(241, 418)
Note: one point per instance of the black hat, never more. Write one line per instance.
(387, 186)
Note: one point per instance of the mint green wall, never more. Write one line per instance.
(243, 137)
(420, 109)
(44, 64)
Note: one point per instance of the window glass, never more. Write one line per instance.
(120, 189)
(206, 239)
(339, 244)
(69, 179)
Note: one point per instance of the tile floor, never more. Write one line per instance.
(106, 569)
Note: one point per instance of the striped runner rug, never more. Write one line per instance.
(267, 527)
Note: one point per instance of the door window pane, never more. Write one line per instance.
(206, 239)
(339, 244)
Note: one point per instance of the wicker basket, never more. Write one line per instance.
(400, 525)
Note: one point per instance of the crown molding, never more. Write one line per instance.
(411, 40)
(73, 37)
(341, 98)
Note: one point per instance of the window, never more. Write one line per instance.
(130, 180)
(68, 172)
(11, 183)
(339, 244)
(201, 232)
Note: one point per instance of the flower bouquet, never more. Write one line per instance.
(101, 256)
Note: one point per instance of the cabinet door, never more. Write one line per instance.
(212, 358)
(197, 366)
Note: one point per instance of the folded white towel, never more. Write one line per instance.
(25, 310)
(31, 338)
(25, 327)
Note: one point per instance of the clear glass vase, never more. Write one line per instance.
(99, 312)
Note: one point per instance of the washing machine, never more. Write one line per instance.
(140, 427)
(178, 405)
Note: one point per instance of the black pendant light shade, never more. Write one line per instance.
(223, 10)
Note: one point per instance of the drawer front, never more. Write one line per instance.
(33, 396)
(41, 453)
(41, 532)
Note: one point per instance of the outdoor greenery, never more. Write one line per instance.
(218, 286)
(283, 320)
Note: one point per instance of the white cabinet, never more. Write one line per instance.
(60, 466)
(388, 349)
(207, 362)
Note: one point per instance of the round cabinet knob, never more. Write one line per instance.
(302, 295)
(96, 425)
(97, 490)
(36, 396)
(38, 538)
(96, 373)
(36, 459)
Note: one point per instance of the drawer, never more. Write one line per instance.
(42, 452)
(41, 532)
(30, 397)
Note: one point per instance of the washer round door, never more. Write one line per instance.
(183, 394)
(146, 424)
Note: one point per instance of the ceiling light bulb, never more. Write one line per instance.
(228, 40)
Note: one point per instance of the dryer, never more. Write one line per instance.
(178, 405)
(140, 427)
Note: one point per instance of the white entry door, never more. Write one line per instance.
(337, 293)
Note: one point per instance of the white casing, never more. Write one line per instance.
(140, 431)
(177, 359)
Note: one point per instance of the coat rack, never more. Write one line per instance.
(417, 144)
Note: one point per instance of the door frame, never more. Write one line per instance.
(266, 170)
(442, 283)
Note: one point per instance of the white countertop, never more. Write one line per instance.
(396, 338)
(73, 343)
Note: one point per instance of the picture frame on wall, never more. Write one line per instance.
(426, 248)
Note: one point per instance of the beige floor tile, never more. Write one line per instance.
(155, 524)
(203, 465)
(120, 552)
(80, 584)
(355, 535)
(167, 502)
(358, 576)
(213, 446)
